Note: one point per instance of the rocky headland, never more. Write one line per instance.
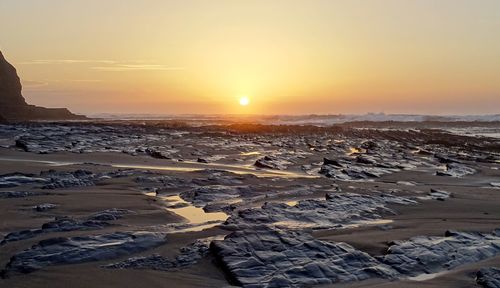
(13, 106)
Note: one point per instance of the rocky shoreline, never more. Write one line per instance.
(214, 207)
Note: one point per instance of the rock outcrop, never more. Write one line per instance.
(13, 106)
(266, 258)
(80, 249)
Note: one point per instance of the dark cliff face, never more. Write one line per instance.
(13, 106)
(10, 84)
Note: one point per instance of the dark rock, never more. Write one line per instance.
(109, 214)
(267, 257)
(488, 277)
(44, 207)
(201, 196)
(333, 162)
(369, 145)
(202, 160)
(337, 211)
(62, 250)
(23, 144)
(153, 262)
(156, 154)
(64, 224)
(456, 170)
(272, 162)
(78, 178)
(440, 195)
(363, 159)
(445, 159)
(189, 255)
(431, 254)
(17, 179)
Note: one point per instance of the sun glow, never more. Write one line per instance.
(244, 101)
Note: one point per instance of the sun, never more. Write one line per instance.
(244, 101)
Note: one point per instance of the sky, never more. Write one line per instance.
(286, 57)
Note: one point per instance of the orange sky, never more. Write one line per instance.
(288, 57)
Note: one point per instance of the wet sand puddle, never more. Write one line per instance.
(197, 218)
(193, 214)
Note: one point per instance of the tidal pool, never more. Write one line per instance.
(196, 218)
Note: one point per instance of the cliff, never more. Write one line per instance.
(13, 106)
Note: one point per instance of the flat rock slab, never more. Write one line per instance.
(62, 250)
(488, 277)
(189, 255)
(456, 170)
(265, 257)
(201, 196)
(336, 211)
(431, 254)
(63, 224)
(52, 179)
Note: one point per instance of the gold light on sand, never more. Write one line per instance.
(244, 101)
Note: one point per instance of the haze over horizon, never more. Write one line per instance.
(286, 57)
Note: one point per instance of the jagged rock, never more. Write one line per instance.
(59, 225)
(52, 179)
(17, 179)
(156, 154)
(369, 145)
(189, 255)
(153, 262)
(13, 106)
(201, 196)
(109, 214)
(488, 277)
(444, 159)
(64, 224)
(23, 144)
(272, 162)
(439, 194)
(337, 211)
(332, 162)
(62, 250)
(354, 172)
(267, 257)
(431, 254)
(456, 170)
(364, 159)
(44, 207)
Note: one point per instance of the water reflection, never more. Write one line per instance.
(193, 214)
(196, 218)
(250, 153)
(355, 150)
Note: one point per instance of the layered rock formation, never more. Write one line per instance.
(13, 106)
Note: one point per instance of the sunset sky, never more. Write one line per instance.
(287, 57)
